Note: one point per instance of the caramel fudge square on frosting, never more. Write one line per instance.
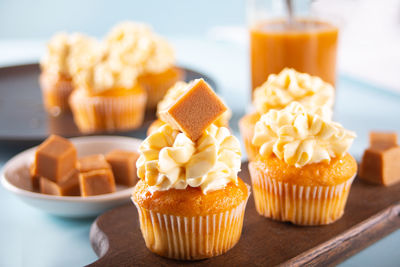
(55, 159)
(195, 110)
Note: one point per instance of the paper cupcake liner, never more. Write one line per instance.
(94, 113)
(303, 205)
(55, 93)
(247, 132)
(155, 94)
(191, 238)
(157, 90)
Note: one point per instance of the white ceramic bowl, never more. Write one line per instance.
(15, 178)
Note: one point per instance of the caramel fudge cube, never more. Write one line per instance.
(92, 162)
(97, 182)
(55, 159)
(68, 187)
(382, 139)
(123, 164)
(195, 110)
(381, 166)
(34, 178)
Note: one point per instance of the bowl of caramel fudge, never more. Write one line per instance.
(77, 177)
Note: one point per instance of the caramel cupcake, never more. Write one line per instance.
(190, 200)
(172, 95)
(302, 172)
(279, 91)
(108, 96)
(64, 55)
(153, 55)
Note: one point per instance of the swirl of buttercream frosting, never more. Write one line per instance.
(68, 53)
(288, 86)
(300, 137)
(169, 159)
(135, 44)
(130, 49)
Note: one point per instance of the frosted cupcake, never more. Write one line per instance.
(279, 91)
(153, 56)
(302, 172)
(108, 96)
(65, 54)
(190, 200)
(172, 95)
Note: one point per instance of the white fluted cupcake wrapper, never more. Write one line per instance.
(191, 238)
(55, 93)
(94, 113)
(303, 205)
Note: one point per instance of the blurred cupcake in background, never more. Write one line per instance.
(172, 95)
(302, 172)
(136, 44)
(107, 95)
(279, 91)
(65, 54)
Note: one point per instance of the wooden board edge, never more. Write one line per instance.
(99, 241)
(351, 241)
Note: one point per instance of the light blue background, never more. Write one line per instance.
(40, 19)
(30, 238)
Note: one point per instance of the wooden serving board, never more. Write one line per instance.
(371, 213)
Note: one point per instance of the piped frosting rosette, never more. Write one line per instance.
(169, 159)
(130, 49)
(299, 137)
(67, 54)
(288, 86)
(136, 44)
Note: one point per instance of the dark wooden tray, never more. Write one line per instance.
(371, 213)
(23, 119)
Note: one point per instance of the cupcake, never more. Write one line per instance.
(279, 91)
(64, 55)
(190, 200)
(107, 95)
(302, 172)
(153, 55)
(173, 94)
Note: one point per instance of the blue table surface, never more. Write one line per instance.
(29, 237)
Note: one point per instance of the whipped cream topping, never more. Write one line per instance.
(300, 137)
(176, 91)
(67, 54)
(169, 159)
(84, 53)
(130, 49)
(288, 86)
(106, 75)
(135, 44)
